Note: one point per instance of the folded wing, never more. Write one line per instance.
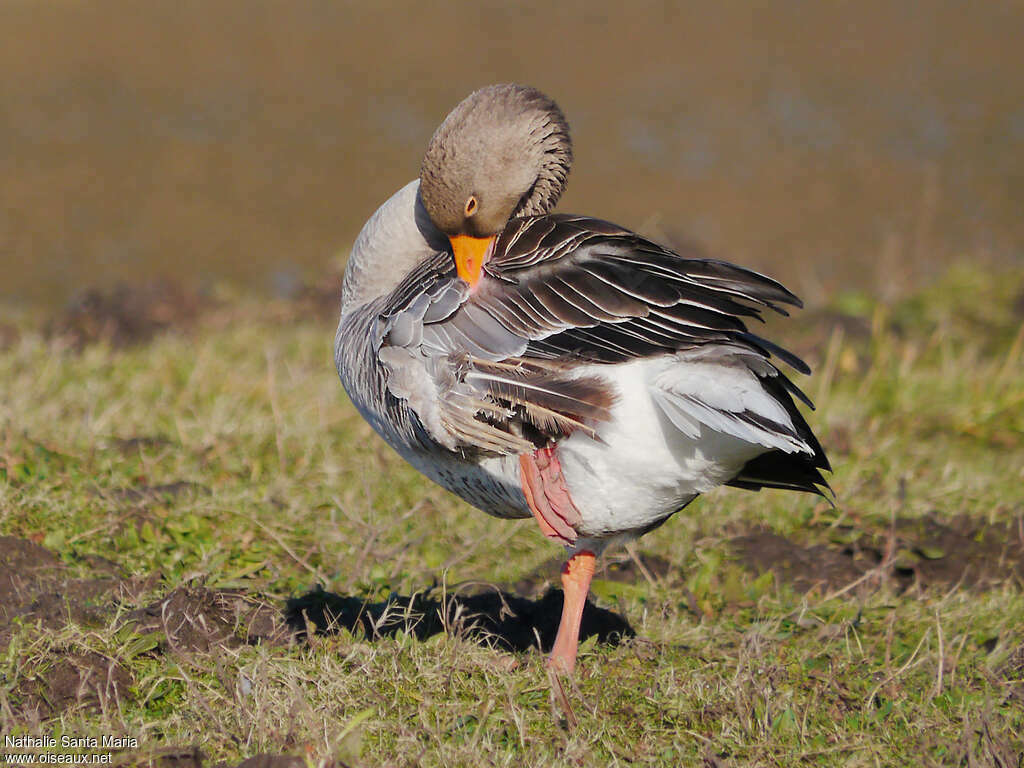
(501, 366)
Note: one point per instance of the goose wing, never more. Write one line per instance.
(589, 290)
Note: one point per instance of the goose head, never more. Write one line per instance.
(503, 152)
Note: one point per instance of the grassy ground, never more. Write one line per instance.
(163, 502)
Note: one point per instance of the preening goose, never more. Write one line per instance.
(555, 365)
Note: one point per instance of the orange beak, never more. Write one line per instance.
(469, 256)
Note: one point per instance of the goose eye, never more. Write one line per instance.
(471, 205)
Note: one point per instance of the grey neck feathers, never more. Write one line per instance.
(397, 237)
(553, 148)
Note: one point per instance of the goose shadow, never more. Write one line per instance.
(493, 617)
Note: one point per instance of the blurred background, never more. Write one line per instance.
(240, 145)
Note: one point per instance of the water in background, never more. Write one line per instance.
(244, 143)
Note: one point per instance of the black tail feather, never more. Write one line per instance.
(789, 471)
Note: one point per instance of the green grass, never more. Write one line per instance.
(922, 411)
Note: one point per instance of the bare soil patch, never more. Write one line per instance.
(136, 443)
(917, 551)
(140, 493)
(133, 313)
(128, 314)
(75, 679)
(35, 586)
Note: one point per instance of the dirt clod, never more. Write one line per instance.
(200, 619)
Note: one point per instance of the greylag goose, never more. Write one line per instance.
(554, 365)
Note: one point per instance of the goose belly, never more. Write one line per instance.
(642, 468)
(491, 484)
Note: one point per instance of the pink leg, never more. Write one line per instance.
(576, 576)
(546, 493)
